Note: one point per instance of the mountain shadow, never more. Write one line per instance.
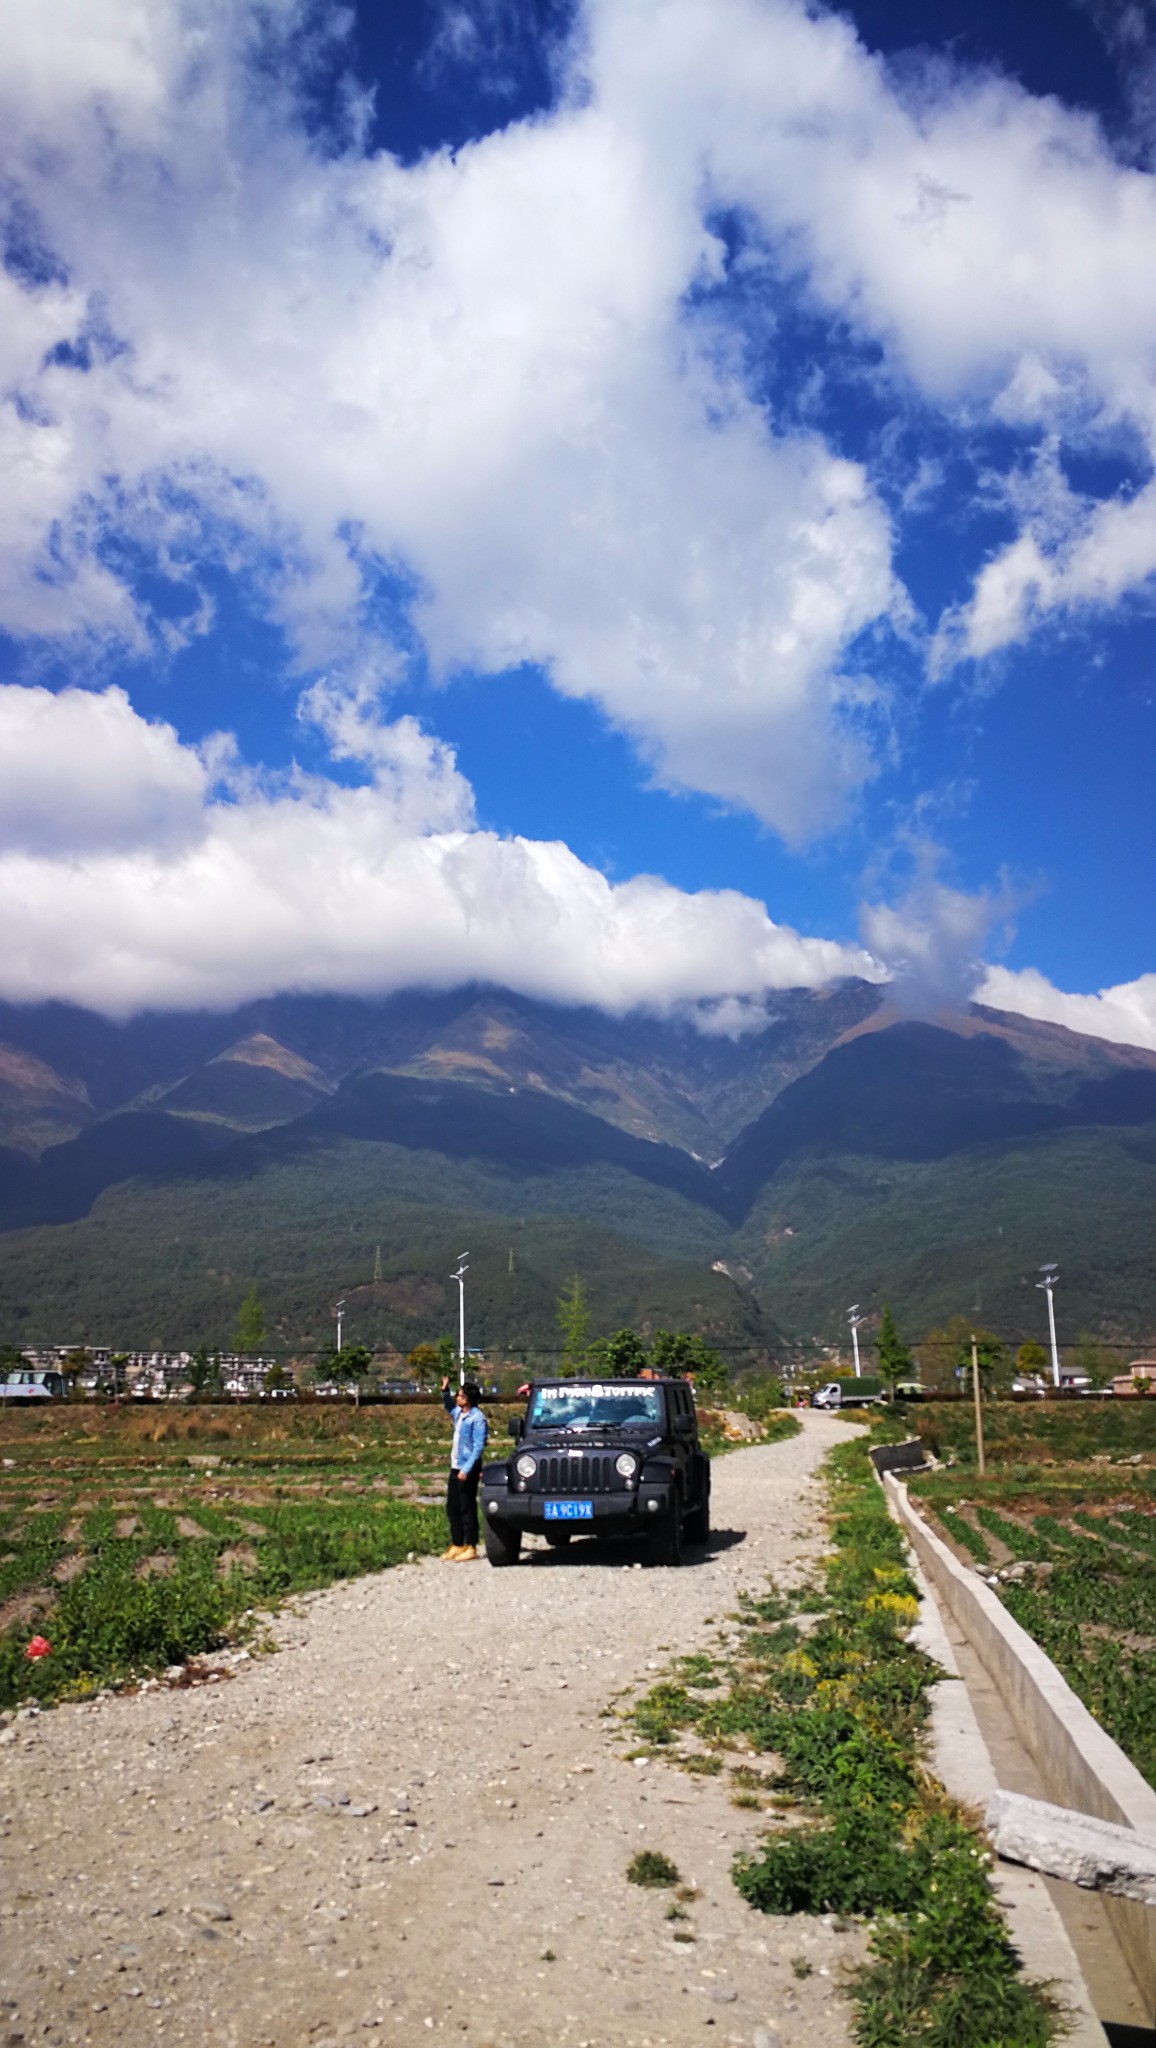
(520, 1131)
(63, 1185)
(917, 1092)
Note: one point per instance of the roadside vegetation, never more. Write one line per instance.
(1064, 1525)
(818, 1712)
(132, 1539)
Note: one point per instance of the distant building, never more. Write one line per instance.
(152, 1375)
(1142, 1369)
(243, 1374)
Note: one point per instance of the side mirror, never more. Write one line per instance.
(516, 1427)
(684, 1425)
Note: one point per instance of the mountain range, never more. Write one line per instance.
(152, 1170)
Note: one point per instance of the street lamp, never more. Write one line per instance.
(460, 1277)
(1051, 1275)
(339, 1312)
(854, 1318)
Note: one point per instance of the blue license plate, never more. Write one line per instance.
(569, 1510)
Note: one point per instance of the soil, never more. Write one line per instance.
(416, 1819)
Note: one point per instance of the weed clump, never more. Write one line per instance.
(652, 1869)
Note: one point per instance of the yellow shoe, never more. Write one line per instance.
(468, 1554)
(455, 1550)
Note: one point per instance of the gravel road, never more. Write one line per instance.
(415, 1821)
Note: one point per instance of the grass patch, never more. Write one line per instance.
(653, 1870)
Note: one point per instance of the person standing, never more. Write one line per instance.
(465, 1469)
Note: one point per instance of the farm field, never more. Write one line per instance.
(133, 1539)
(1065, 1523)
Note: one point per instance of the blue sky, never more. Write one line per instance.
(648, 501)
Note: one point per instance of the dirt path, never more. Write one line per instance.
(415, 1822)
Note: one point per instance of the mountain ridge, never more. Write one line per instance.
(508, 1116)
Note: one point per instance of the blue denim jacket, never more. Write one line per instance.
(469, 1434)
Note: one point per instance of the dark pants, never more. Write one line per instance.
(462, 1507)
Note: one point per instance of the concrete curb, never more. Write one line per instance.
(1081, 1766)
(964, 1768)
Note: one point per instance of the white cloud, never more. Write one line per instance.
(478, 369)
(311, 885)
(483, 370)
(930, 941)
(80, 771)
(989, 239)
(1126, 1014)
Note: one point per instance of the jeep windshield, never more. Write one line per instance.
(596, 1406)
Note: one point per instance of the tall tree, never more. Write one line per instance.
(895, 1360)
(943, 1351)
(355, 1369)
(572, 1316)
(73, 1365)
(1095, 1360)
(1031, 1359)
(995, 1362)
(690, 1357)
(250, 1332)
(348, 1369)
(424, 1363)
(621, 1355)
(205, 1375)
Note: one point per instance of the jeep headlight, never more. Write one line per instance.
(526, 1466)
(626, 1464)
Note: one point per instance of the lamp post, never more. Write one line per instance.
(460, 1277)
(978, 1405)
(1051, 1275)
(854, 1318)
(339, 1312)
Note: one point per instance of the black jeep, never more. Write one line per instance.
(601, 1458)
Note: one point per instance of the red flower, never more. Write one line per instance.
(38, 1648)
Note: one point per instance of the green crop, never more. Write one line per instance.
(159, 1542)
(1088, 1596)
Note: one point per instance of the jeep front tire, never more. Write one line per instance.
(697, 1528)
(664, 1537)
(503, 1546)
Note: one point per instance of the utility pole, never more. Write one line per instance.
(460, 1277)
(377, 1265)
(339, 1312)
(1051, 1275)
(978, 1406)
(854, 1318)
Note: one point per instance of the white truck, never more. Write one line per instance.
(862, 1393)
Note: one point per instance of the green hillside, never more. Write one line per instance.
(965, 1235)
(169, 1264)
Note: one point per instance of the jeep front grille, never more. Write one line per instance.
(577, 1475)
